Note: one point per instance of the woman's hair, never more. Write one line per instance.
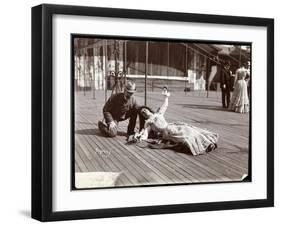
(145, 107)
(141, 116)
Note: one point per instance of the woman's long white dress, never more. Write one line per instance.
(239, 100)
(197, 140)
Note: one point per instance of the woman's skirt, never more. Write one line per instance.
(239, 100)
(197, 140)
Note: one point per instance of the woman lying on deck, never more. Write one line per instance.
(197, 140)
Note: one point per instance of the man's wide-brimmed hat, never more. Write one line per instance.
(131, 87)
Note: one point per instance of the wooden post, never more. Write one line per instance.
(116, 57)
(146, 69)
(105, 68)
(94, 75)
(186, 68)
(84, 73)
(125, 60)
(208, 71)
(79, 73)
(168, 60)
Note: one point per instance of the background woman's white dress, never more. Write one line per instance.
(240, 101)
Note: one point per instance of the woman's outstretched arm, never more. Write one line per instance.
(164, 106)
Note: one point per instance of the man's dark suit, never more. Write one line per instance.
(118, 108)
(225, 86)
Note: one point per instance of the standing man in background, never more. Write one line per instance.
(225, 84)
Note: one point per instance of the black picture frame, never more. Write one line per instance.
(42, 108)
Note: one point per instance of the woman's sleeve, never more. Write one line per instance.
(145, 132)
(164, 106)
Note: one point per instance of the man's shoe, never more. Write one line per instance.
(102, 127)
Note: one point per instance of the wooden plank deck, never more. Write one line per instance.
(144, 166)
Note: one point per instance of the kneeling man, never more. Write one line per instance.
(120, 107)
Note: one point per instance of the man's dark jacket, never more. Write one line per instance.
(226, 79)
(117, 108)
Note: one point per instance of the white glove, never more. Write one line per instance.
(112, 125)
(165, 93)
(137, 135)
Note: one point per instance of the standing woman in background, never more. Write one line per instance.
(240, 100)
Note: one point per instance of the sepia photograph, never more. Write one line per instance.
(159, 112)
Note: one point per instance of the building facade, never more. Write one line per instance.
(105, 64)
